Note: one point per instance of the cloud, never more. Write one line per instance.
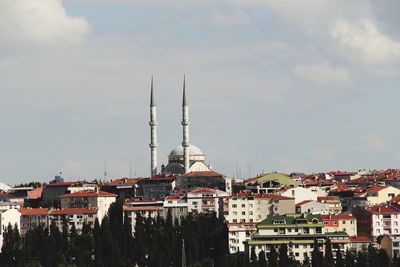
(321, 74)
(234, 18)
(39, 22)
(365, 41)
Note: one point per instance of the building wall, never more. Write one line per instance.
(300, 194)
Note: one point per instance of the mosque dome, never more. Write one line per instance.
(193, 151)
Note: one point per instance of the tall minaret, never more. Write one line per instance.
(153, 131)
(185, 124)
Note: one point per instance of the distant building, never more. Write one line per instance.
(52, 192)
(344, 222)
(195, 179)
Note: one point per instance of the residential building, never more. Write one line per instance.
(311, 206)
(374, 221)
(344, 222)
(381, 194)
(125, 188)
(298, 231)
(146, 209)
(334, 203)
(268, 183)
(299, 194)
(206, 200)
(89, 199)
(8, 217)
(359, 243)
(52, 191)
(199, 179)
(176, 204)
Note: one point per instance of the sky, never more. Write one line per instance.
(273, 85)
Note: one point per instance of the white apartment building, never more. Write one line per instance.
(299, 194)
(8, 217)
(381, 194)
(205, 200)
(89, 199)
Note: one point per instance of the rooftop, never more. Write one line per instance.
(89, 193)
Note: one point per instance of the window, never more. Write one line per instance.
(243, 213)
(395, 244)
(289, 230)
(296, 254)
(234, 220)
(250, 213)
(234, 206)
(305, 246)
(243, 220)
(250, 205)
(243, 205)
(296, 246)
(396, 231)
(275, 230)
(344, 222)
(234, 212)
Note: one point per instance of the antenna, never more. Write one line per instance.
(105, 170)
(130, 170)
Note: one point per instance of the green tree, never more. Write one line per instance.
(283, 256)
(10, 251)
(339, 258)
(272, 257)
(253, 257)
(383, 258)
(262, 261)
(328, 254)
(306, 261)
(317, 259)
(349, 259)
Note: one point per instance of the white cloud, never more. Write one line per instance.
(322, 74)
(237, 17)
(39, 22)
(365, 41)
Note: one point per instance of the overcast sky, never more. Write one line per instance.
(308, 85)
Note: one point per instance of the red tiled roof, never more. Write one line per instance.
(124, 181)
(143, 208)
(67, 211)
(35, 193)
(89, 193)
(272, 196)
(396, 199)
(359, 239)
(376, 189)
(380, 209)
(302, 203)
(341, 216)
(203, 190)
(202, 173)
(327, 198)
(34, 211)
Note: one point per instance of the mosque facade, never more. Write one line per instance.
(183, 159)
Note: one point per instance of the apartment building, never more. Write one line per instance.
(299, 194)
(334, 204)
(89, 199)
(205, 200)
(344, 222)
(245, 210)
(377, 220)
(298, 231)
(146, 209)
(381, 194)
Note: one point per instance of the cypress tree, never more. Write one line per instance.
(361, 259)
(272, 257)
(372, 256)
(339, 258)
(306, 261)
(317, 259)
(283, 256)
(253, 257)
(262, 261)
(349, 259)
(328, 254)
(383, 258)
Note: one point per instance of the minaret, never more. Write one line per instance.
(153, 132)
(185, 124)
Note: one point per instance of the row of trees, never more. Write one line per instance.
(158, 243)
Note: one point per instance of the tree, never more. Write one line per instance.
(349, 259)
(253, 257)
(262, 261)
(272, 257)
(372, 256)
(383, 258)
(317, 259)
(306, 261)
(339, 258)
(328, 254)
(283, 256)
(10, 251)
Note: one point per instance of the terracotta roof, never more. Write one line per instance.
(89, 193)
(67, 211)
(327, 198)
(272, 196)
(124, 181)
(359, 239)
(376, 189)
(202, 173)
(203, 190)
(380, 209)
(143, 208)
(35, 193)
(34, 211)
(302, 203)
(341, 216)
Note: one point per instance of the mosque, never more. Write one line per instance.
(185, 157)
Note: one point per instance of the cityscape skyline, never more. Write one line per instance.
(268, 89)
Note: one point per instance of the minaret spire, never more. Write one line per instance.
(185, 125)
(153, 131)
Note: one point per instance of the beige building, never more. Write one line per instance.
(245, 210)
(381, 194)
(340, 223)
(334, 203)
(89, 199)
(146, 209)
